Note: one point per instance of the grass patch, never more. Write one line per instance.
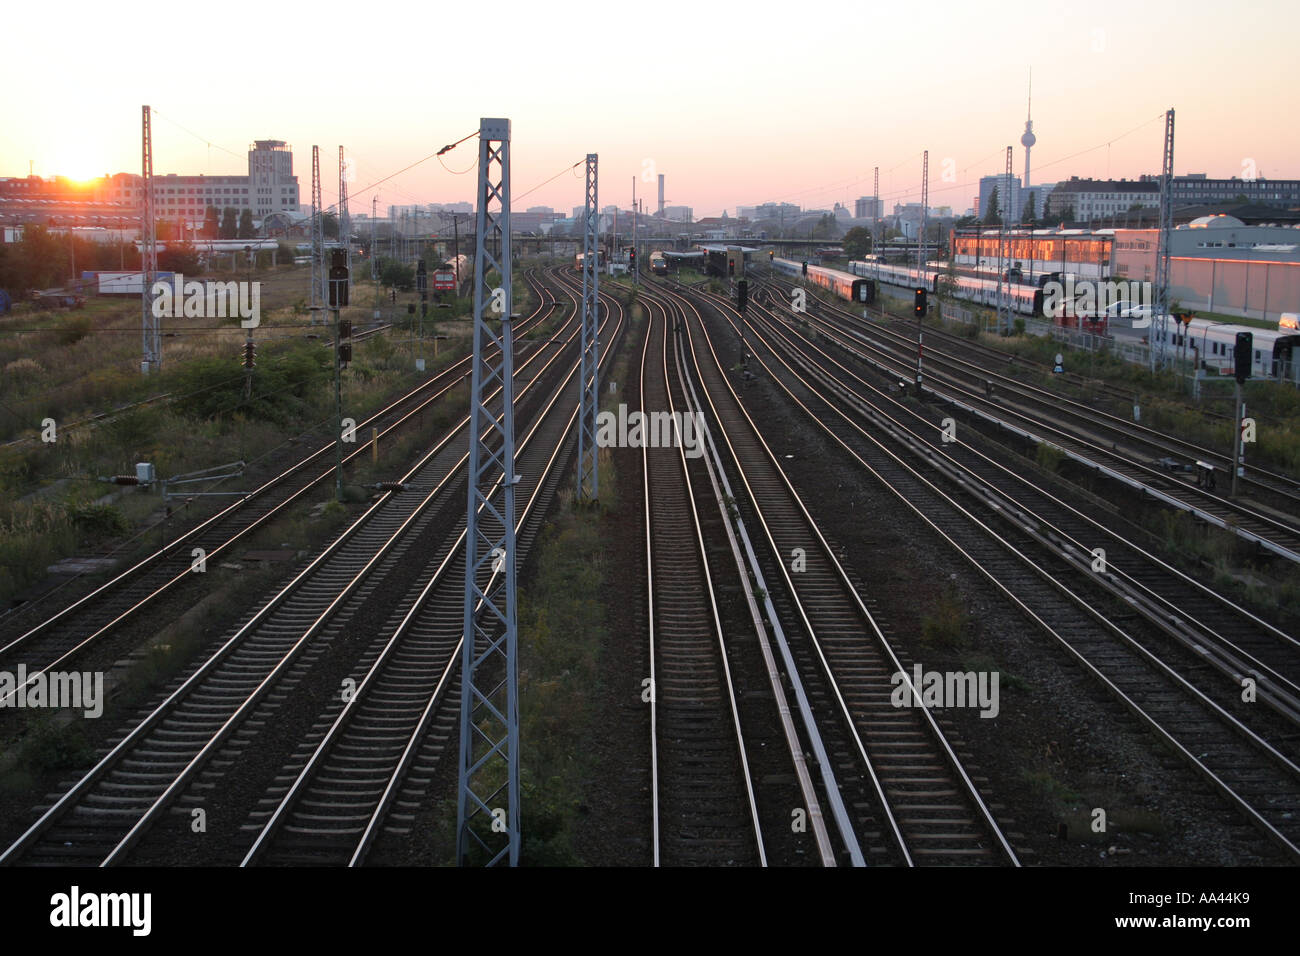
(52, 745)
(1048, 457)
(562, 629)
(946, 624)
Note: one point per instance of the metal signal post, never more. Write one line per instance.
(151, 335)
(588, 453)
(1157, 337)
(317, 238)
(345, 221)
(1004, 253)
(338, 298)
(487, 803)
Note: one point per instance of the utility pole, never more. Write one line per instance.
(151, 334)
(1157, 341)
(455, 249)
(317, 239)
(345, 221)
(374, 249)
(338, 298)
(1238, 449)
(878, 233)
(925, 203)
(1004, 241)
(588, 453)
(486, 831)
(636, 258)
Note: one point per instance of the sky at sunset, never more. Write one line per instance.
(736, 103)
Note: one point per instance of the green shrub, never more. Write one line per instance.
(73, 329)
(49, 747)
(98, 521)
(945, 625)
(1048, 457)
(282, 384)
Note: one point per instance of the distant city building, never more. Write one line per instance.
(1219, 264)
(1009, 202)
(868, 207)
(776, 210)
(1039, 195)
(1198, 189)
(1035, 251)
(269, 188)
(679, 213)
(1089, 200)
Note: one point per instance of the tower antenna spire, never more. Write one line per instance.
(1029, 139)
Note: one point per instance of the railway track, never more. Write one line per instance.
(62, 637)
(923, 806)
(1073, 431)
(334, 801)
(704, 807)
(1216, 629)
(1247, 769)
(103, 815)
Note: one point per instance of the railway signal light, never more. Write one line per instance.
(742, 294)
(731, 266)
(918, 305)
(338, 279)
(1241, 355)
(805, 267)
(345, 328)
(345, 353)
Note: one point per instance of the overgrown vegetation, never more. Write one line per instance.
(946, 624)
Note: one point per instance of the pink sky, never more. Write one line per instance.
(734, 104)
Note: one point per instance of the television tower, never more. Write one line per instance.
(1028, 139)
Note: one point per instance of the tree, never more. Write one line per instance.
(1029, 214)
(246, 230)
(825, 228)
(991, 217)
(229, 223)
(330, 223)
(966, 222)
(396, 275)
(857, 243)
(40, 260)
(180, 257)
(211, 223)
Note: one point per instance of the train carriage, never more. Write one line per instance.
(846, 286)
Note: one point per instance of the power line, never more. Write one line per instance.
(202, 139)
